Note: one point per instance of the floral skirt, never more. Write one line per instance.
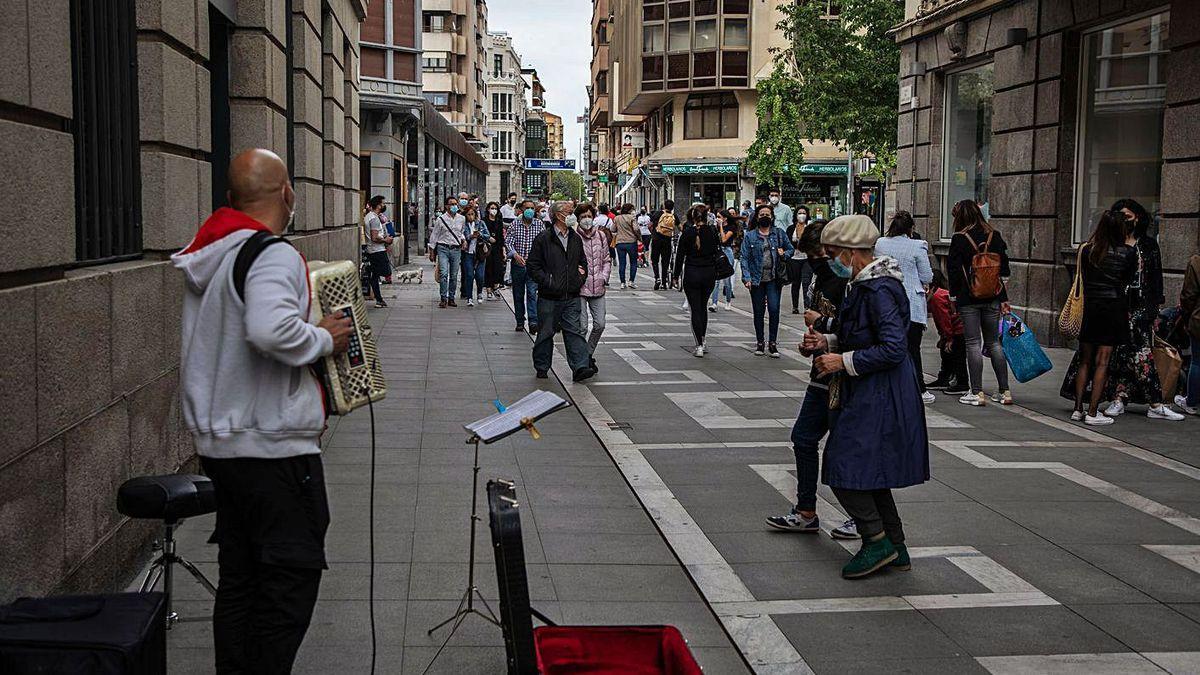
(1132, 374)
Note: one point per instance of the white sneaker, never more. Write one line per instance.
(704, 347)
(968, 398)
(728, 305)
(1097, 421)
(1181, 403)
(698, 352)
(1076, 415)
(712, 307)
(927, 397)
(632, 286)
(1163, 412)
(1003, 398)
(470, 302)
(623, 285)
(1115, 408)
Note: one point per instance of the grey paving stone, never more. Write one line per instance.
(1145, 627)
(693, 619)
(1006, 485)
(347, 546)
(667, 583)
(773, 546)
(349, 658)
(822, 579)
(454, 660)
(450, 545)
(446, 581)
(577, 476)
(1063, 575)
(351, 581)
(595, 548)
(346, 623)
(1092, 523)
(1143, 569)
(474, 631)
(598, 494)
(1001, 631)
(720, 660)
(888, 666)
(595, 519)
(895, 635)
(960, 524)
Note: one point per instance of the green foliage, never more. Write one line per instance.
(567, 184)
(836, 81)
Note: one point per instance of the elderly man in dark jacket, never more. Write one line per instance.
(556, 263)
(886, 445)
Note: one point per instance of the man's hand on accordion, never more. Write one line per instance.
(338, 326)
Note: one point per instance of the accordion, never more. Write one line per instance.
(353, 378)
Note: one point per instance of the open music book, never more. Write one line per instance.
(517, 416)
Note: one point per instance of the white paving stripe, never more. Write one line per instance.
(1125, 663)
(710, 412)
(1183, 554)
(965, 451)
(628, 351)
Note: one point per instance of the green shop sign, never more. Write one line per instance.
(699, 169)
(823, 169)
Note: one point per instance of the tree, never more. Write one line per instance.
(836, 81)
(568, 184)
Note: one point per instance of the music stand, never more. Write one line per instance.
(506, 422)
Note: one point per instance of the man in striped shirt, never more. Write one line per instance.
(518, 239)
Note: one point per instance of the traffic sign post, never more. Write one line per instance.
(549, 166)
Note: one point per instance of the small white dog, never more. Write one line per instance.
(416, 276)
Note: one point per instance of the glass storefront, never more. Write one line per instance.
(1120, 122)
(968, 158)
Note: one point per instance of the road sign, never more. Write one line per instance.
(534, 164)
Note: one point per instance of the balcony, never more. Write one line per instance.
(598, 114)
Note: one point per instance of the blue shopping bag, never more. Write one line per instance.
(1025, 356)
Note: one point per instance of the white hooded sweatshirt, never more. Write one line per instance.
(247, 389)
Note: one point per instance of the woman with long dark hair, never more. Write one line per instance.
(1107, 266)
(698, 246)
(913, 256)
(494, 273)
(798, 268)
(979, 306)
(764, 250)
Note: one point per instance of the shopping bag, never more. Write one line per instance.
(1070, 320)
(1168, 362)
(1025, 356)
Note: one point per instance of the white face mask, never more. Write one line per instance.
(491, 212)
(774, 199)
(586, 223)
(803, 218)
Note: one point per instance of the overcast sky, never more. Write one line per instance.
(553, 36)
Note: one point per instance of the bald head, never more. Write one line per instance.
(259, 186)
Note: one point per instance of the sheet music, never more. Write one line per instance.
(533, 406)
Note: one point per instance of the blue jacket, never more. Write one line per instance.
(913, 257)
(877, 438)
(752, 252)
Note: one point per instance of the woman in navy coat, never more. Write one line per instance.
(883, 443)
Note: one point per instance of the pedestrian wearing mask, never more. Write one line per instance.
(627, 236)
(727, 227)
(475, 254)
(698, 247)
(783, 213)
(599, 266)
(643, 221)
(509, 211)
(913, 258)
(664, 226)
(764, 250)
(494, 273)
(517, 242)
(798, 268)
(447, 239)
(377, 243)
(877, 438)
(556, 263)
(978, 268)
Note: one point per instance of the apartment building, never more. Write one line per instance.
(599, 164)
(1046, 112)
(536, 137)
(506, 117)
(554, 136)
(681, 110)
(116, 130)
(411, 155)
(453, 61)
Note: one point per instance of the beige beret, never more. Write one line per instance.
(857, 231)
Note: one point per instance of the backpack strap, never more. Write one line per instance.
(247, 254)
(988, 242)
(970, 239)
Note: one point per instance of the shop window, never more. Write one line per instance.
(653, 11)
(968, 153)
(652, 38)
(706, 34)
(108, 212)
(679, 39)
(1119, 141)
(736, 33)
(710, 116)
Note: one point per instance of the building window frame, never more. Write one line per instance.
(1081, 222)
(946, 229)
(722, 105)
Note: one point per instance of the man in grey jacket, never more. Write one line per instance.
(256, 413)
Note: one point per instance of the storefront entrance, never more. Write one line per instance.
(717, 193)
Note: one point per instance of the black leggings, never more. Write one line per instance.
(915, 332)
(697, 297)
(801, 273)
(660, 258)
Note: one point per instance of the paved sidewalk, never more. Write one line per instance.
(593, 555)
(1039, 545)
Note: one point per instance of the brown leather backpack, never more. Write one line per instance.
(983, 276)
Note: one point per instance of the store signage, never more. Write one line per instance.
(603, 178)
(823, 169)
(534, 164)
(699, 169)
(633, 140)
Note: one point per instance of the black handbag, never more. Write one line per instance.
(721, 264)
(783, 274)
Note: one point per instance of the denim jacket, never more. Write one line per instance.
(752, 251)
(484, 235)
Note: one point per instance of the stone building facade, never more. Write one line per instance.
(1045, 112)
(101, 180)
(506, 117)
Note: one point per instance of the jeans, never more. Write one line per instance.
(380, 267)
(915, 332)
(627, 253)
(981, 324)
(801, 273)
(725, 284)
(660, 257)
(595, 308)
(811, 426)
(764, 297)
(565, 316)
(873, 511)
(474, 273)
(1193, 375)
(524, 292)
(449, 259)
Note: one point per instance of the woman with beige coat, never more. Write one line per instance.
(627, 233)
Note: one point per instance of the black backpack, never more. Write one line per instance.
(247, 254)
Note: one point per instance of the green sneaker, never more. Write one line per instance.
(873, 556)
(902, 561)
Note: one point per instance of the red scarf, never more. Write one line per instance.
(223, 222)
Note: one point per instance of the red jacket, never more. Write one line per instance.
(945, 317)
